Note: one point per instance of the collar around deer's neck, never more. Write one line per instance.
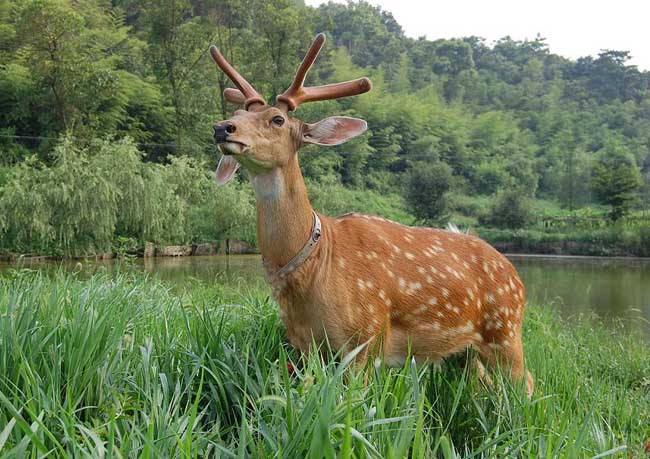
(305, 252)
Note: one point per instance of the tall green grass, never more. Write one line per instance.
(123, 366)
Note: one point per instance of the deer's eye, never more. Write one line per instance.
(277, 120)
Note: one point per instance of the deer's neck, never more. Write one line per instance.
(284, 213)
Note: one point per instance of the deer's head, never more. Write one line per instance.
(262, 137)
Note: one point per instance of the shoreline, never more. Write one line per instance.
(176, 251)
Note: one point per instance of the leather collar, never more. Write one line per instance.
(306, 250)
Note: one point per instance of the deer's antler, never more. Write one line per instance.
(246, 95)
(298, 94)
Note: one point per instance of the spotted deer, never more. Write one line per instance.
(417, 291)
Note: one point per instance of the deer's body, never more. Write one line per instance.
(413, 291)
(421, 291)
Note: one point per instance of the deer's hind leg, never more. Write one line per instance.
(508, 354)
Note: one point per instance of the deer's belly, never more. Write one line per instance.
(426, 343)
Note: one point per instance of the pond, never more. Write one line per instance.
(608, 287)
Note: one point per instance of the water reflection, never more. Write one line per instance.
(609, 287)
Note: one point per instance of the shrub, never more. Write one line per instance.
(512, 209)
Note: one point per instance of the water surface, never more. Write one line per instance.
(611, 288)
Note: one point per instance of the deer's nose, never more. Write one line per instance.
(222, 130)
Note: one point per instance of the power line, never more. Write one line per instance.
(206, 145)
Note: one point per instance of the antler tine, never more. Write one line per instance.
(234, 96)
(251, 96)
(298, 94)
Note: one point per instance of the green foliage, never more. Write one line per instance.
(511, 209)
(427, 187)
(334, 199)
(508, 114)
(89, 197)
(140, 370)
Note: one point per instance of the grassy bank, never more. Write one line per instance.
(124, 364)
(606, 242)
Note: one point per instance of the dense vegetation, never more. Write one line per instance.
(504, 135)
(125, 367)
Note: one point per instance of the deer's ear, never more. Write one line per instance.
(334, 130)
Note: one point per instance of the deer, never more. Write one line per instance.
(423, 293)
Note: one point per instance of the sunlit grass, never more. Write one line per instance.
(122, 365)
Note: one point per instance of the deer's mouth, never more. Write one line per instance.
(232, 147)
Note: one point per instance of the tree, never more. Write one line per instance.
(426, 189)
(616, 178)
(178, 44)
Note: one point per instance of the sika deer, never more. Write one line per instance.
(357, 277)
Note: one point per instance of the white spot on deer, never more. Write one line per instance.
(454, 256)
(369, 284)
(382, 294)
(449, 306)
(361, 284)
(433, 269)
(421, 270)
(433, 301)
(429, 280)
(467, 328)
(341, 263)
(473, 258)
(445, 292)
(466, 301)
(421, 309)
(401, 282)
(440, 314)
(409, 255)
(465, 265)
(500, 291)
(494, 345)
(489, 298)
(486, 268)
(413, 287)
